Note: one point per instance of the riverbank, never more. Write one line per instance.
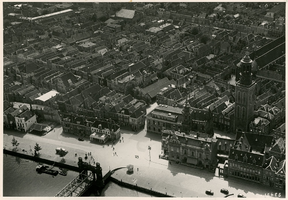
(106, 178)
(41, 160)
(175, 179)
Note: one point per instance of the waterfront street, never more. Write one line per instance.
(176, 180)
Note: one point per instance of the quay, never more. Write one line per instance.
(86, 179)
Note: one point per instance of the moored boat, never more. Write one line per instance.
(45, 169)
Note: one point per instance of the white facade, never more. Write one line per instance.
(21, 124)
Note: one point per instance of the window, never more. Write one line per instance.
(243, 112)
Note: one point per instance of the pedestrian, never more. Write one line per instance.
(120, 140)
(137, 169)
(75, 154)
(113, 148)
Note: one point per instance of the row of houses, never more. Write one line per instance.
(103, 103)
(99, 131)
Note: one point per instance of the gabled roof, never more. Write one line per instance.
(9, 110)
(279, 146)
(137, 66)
(27, 114)
(282, 168)
(153, 89)
(128, 98)
(68, 79)
(271, 164)
(257, 141)
(138, 113)
(19, 110)
(218, 103)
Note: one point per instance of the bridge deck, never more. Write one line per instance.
(77, 186)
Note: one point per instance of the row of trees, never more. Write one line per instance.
(37, 147)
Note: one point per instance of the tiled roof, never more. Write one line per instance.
(282, 168)
(19, 110)
(279, 146)
(66, 77)
(200, 114)
(26, 115)
(138, 113)
(218, 103)
(9, 110)
(258, 142)
(271, 163)
(137, 66)
(38, 127)
(153, 89)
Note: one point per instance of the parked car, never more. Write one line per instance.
(209, 192)
(241, 196)
(224, 191)
(61, 151)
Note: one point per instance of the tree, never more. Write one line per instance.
(94, 17)
(195, 31)
(204, 39)
(37, 148)
(15, 143)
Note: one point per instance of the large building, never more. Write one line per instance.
(25, 120)
(164, 117)
(244, 96)
(195, 119)
(189, 149)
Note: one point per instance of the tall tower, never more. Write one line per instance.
(244, 96)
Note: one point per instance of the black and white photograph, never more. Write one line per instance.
(144, 99)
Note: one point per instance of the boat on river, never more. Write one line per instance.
(45, 169)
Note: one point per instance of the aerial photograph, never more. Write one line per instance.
(144, 99)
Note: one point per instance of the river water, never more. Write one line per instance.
(21, 179)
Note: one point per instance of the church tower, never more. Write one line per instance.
(244, 96)
(187, 122)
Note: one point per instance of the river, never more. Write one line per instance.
(21, 179)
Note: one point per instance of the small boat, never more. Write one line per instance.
(45, 169)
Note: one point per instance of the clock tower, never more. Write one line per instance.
(244, 96)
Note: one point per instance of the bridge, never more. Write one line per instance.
(77, 186)
(86, 178)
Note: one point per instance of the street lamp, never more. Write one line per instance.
(149, 148)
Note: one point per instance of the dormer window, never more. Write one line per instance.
(245, 158)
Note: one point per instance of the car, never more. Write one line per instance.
(224, 191)
(209, 192)
(241, 196)
(80, 139)
(60, 150)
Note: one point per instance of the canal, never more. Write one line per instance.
(21, 179)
